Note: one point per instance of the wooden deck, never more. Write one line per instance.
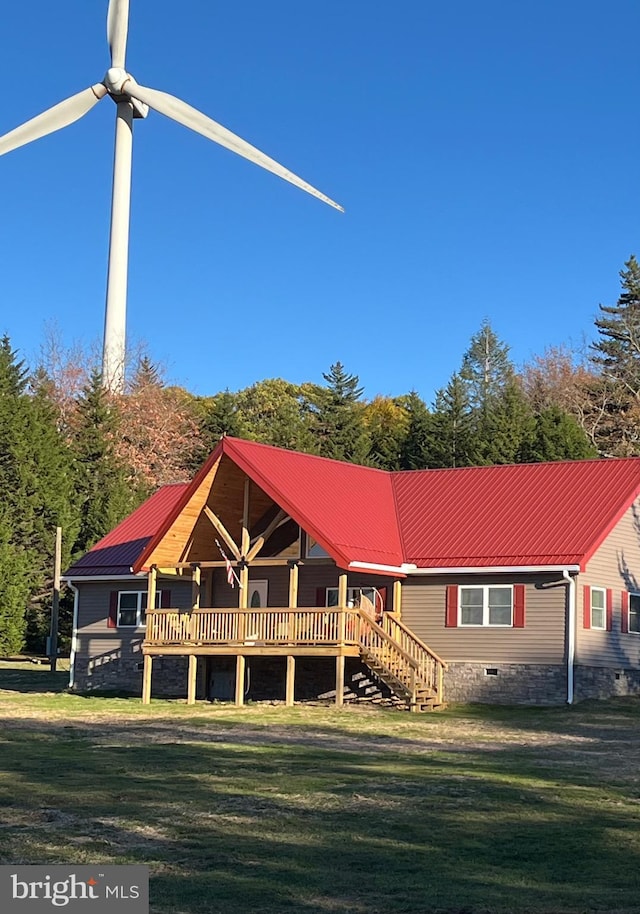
(389, 648)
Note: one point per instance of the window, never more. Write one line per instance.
(634, 613)
(132, 608)
(355, 597)
(599, 608)
(315, 550)
(486, 606)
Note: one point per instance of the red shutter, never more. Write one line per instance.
(624, 611)
(321, 596)
(518, 605)
(451, 615)
(609, 609)
(165, 599)
(112, 619)
(586, 606)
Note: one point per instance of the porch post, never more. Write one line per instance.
(240, 667)
(293, 584)
(196, 577)
(291, 676)
(146, 679)
(245, 539)
(340, 680)
(397, 598)
(191, 680)
(342, 591)
(151, 588)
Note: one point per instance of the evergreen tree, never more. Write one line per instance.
(36, 488)
(338, 417)
(617, 356)
(505, 432)
(451, 436)
(15, 590)
(486, 368)
(557, 436)
(103, 485)
(415, 453)
(617, 352)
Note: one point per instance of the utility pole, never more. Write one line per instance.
(53, 636)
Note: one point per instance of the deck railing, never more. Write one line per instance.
(268, 627)
(429, 666)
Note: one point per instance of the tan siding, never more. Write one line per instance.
(542, 640)
(95, 638)
(615, 565)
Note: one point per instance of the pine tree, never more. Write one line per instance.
(617, 357)
(415, 453)
(486, 368)
(36, 488)
(103, 485)
(451, 436)
(338, 417)
(557, 436)
(15, 590)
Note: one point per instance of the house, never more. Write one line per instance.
(282, 575)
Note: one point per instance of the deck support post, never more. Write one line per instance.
(191, 680)
(291, 681)
(240, 668)
(340, 680)
(146, 679)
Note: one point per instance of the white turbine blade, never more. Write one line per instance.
(190, 117)
(117, 26)
(61, 115)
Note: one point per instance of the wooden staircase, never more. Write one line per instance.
(403, 662)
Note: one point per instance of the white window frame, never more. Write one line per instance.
(603, 627)
(634, 631)
(485, 588)
(141, 607)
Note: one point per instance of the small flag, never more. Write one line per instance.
(230, 574)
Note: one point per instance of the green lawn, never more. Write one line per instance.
(268, 809)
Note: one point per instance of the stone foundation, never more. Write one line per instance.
(265, 678)
(506, 683)
(603, 682)
(123, 673)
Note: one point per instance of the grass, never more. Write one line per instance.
(269, 809)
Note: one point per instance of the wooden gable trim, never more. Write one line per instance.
(195, 497)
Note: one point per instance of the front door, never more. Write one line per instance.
(257, 597)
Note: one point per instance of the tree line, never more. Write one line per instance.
(74, 455)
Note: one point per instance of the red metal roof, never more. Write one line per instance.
(529, 514)
(116, 553)
(349, 509)
(499, 516)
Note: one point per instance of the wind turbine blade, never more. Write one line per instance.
(61, 115)
(193, 119)
(117, 26)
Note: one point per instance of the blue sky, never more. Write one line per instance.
(486, 155)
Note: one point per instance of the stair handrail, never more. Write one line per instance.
(407, 677)
(426, 669)
(392, 619)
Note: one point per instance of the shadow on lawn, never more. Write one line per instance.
(265, 828)
(33, 678)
